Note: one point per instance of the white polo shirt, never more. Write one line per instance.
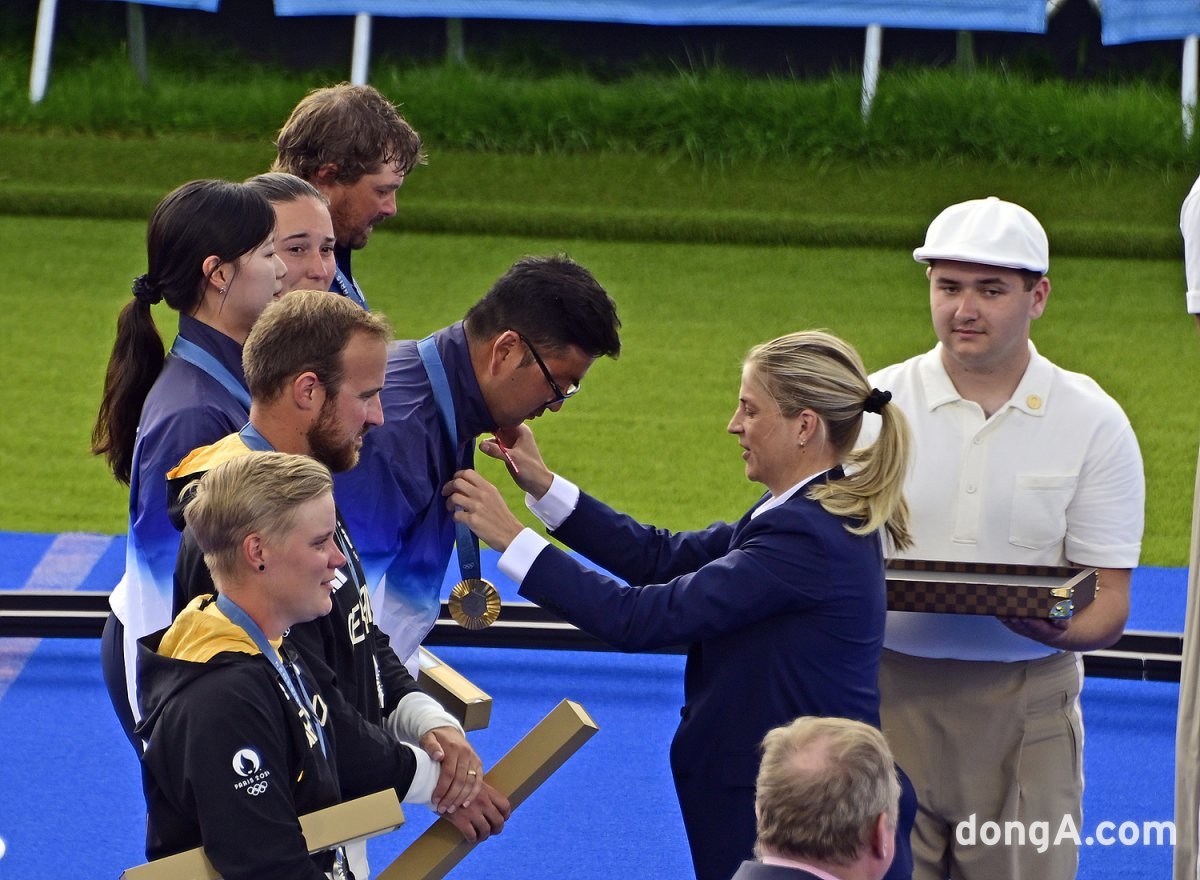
(1054, 477)
(1189, 225)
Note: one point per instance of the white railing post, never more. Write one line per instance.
(135, 28)
(43, 41)
(362, 49)
(456, 50)
(870, 76)
(1187, 88)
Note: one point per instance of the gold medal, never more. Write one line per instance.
(474, 603)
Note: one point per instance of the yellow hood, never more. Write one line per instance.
(201, 631)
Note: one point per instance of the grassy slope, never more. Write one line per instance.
(629, 196)
(648, 432)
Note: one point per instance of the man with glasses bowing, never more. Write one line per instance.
(521, 350)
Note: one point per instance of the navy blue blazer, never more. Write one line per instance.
(783, 615)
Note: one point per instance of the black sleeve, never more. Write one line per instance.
(398, 682)
(192, 577)
(369, 758)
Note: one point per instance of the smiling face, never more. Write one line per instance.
(301, 565)
(336, 436)
(770, 442)
(982, 315)
(357, 208)
(304, 241)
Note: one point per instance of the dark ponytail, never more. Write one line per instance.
(199, 219)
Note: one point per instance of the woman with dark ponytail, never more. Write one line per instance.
(210, 249)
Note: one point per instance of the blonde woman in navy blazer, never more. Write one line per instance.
(783, 611)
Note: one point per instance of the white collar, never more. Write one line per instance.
(776, 500)
(1030, 396)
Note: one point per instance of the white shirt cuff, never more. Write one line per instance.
(516, 561)
(1193, 307)
(557, 504)
(424, 779)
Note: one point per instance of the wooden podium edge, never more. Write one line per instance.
(456, 693)
(358, 819)
(517, 775)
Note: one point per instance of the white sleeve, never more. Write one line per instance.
(424, 779)
(557, 504)
(1106, 515)
(415, 715)
(1189, 225)
(515, 562)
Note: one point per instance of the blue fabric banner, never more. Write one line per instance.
(1133, 21)
(1027, 16)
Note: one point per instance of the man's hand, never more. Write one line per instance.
(1049, 632)
(484, 817)
(1097, 626)
(461, 775)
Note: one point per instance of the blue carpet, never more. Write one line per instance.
(70, 798)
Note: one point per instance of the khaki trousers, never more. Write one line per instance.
(1187, 729)
(998, 743)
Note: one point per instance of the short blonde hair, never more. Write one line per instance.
(815, 370)
(257, 492)
(822, 786)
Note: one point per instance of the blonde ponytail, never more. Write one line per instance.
(817, 371)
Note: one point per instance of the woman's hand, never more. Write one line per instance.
(518, 450)
(476, 502)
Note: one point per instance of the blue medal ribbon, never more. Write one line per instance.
(193, 354)
(465, 541)
(294, 684)
(350, 289)
(254, 440)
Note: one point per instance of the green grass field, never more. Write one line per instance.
(719, 211)
(648, 432)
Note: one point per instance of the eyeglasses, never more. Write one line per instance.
(559, 394)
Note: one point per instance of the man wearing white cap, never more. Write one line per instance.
(1017, 461)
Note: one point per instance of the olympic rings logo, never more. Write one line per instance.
(257, 788)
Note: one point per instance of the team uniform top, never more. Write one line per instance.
(392, 500)
(350, 658)
(343, 278)
(231, 760)
(186, 408)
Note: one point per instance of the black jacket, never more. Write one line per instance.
(350, 658)
(231, 760)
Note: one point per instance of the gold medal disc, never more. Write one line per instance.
(474, 603)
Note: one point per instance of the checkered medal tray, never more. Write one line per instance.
(1045, 591)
